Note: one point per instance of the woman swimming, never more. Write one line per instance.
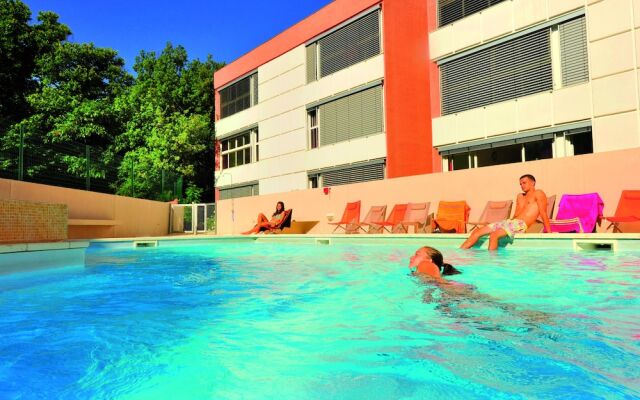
(429, 261)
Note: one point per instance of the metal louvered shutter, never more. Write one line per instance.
(312, 62)
(254, 79)
(503, 72)
(240, 191)
(355, 174)
(452, 10)
(351, 44)
(573, 51)
(351, 117)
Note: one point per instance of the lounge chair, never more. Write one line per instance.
(538, 227)
(375, 214)
(628, 210)
(494, 211)
(578, 213)
(285, 222)
(452, 217)
(417, 215)
(350, 221)
(396, 216)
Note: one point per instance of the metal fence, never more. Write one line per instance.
(80, 166)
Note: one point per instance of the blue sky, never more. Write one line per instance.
(226, 29)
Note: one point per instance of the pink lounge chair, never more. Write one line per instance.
(417, 215)
(350, 218)
(578, 213)
(375, 214)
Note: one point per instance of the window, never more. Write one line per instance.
(239, 96)
(236, 191)
(349, 117)
(453, 10)
(344, 175)
(313, 128)
(347, 46)
(237, 150)
(515, 68)
(528, 148)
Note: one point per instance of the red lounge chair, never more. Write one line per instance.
(376, 213)
(350, 221)
(284, 223)
(417, 215)
(396, 216)
(537, 226)
(628, 210)
(452, 217)
(578, 213)
(494, 211)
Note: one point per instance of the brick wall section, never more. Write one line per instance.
(26, 222)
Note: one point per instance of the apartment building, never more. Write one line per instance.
(368, 89)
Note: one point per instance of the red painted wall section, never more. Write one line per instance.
(324, 19)
(434, 79)
(407, 89)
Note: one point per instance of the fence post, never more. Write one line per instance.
(87, 151)
(133, 192)
(21, 155)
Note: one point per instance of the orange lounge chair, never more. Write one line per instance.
(396, 216)
(494, 211)
(350, 221)
(285, 222)
(417, 215)
(628, 210)
(538, 227)
(452, 217)
(376, 213)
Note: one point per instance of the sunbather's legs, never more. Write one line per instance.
(474, 236)
(495, 237)
(262, 222)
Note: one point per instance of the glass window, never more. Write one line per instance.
(238, 97)
(313, 128)
(540, 150)
(582, 143)
(237, 150)
(499, 155)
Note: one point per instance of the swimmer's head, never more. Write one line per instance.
(436, 258)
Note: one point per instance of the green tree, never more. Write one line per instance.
(169, 125)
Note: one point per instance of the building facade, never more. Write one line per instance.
(368, 89)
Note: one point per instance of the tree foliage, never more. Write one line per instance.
(158, 123)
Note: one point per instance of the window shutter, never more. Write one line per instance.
(311, 62)
(371, 112)
(239, 191)
(452, 10)
(573, 52)
(328, 123)
(503, 72)
(254, 79)
(354, 43)
(362, 173)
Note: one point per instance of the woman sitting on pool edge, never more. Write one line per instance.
(264, 223)
(428, 261)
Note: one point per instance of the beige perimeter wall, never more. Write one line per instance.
(123, 216)
(606, 173)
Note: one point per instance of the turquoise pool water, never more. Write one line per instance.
(269, 321)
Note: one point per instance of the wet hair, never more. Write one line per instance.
(278, 212)
(531, 177)
(438, 260)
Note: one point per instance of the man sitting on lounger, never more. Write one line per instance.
(529, 206)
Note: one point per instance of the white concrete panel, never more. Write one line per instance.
(284, 183)
(282, 123)
(237, 175)
(529, 12)
(636, 13)
(347, 152)
(497, 20)
(501, 118)
(470, 125)
(616, 132)
(608, 17)
(572, 103)
(283, 144)
(282, 64)
(611, 55)
(557, 7)
(441, 42)
(637, 35)
(614, 94)
(237, 121)
(284, 165)
(467, 31)
(535, 111)
(287, 81)
(348, 78)
(444, 130)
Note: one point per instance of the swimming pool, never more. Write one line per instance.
(299, 321)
